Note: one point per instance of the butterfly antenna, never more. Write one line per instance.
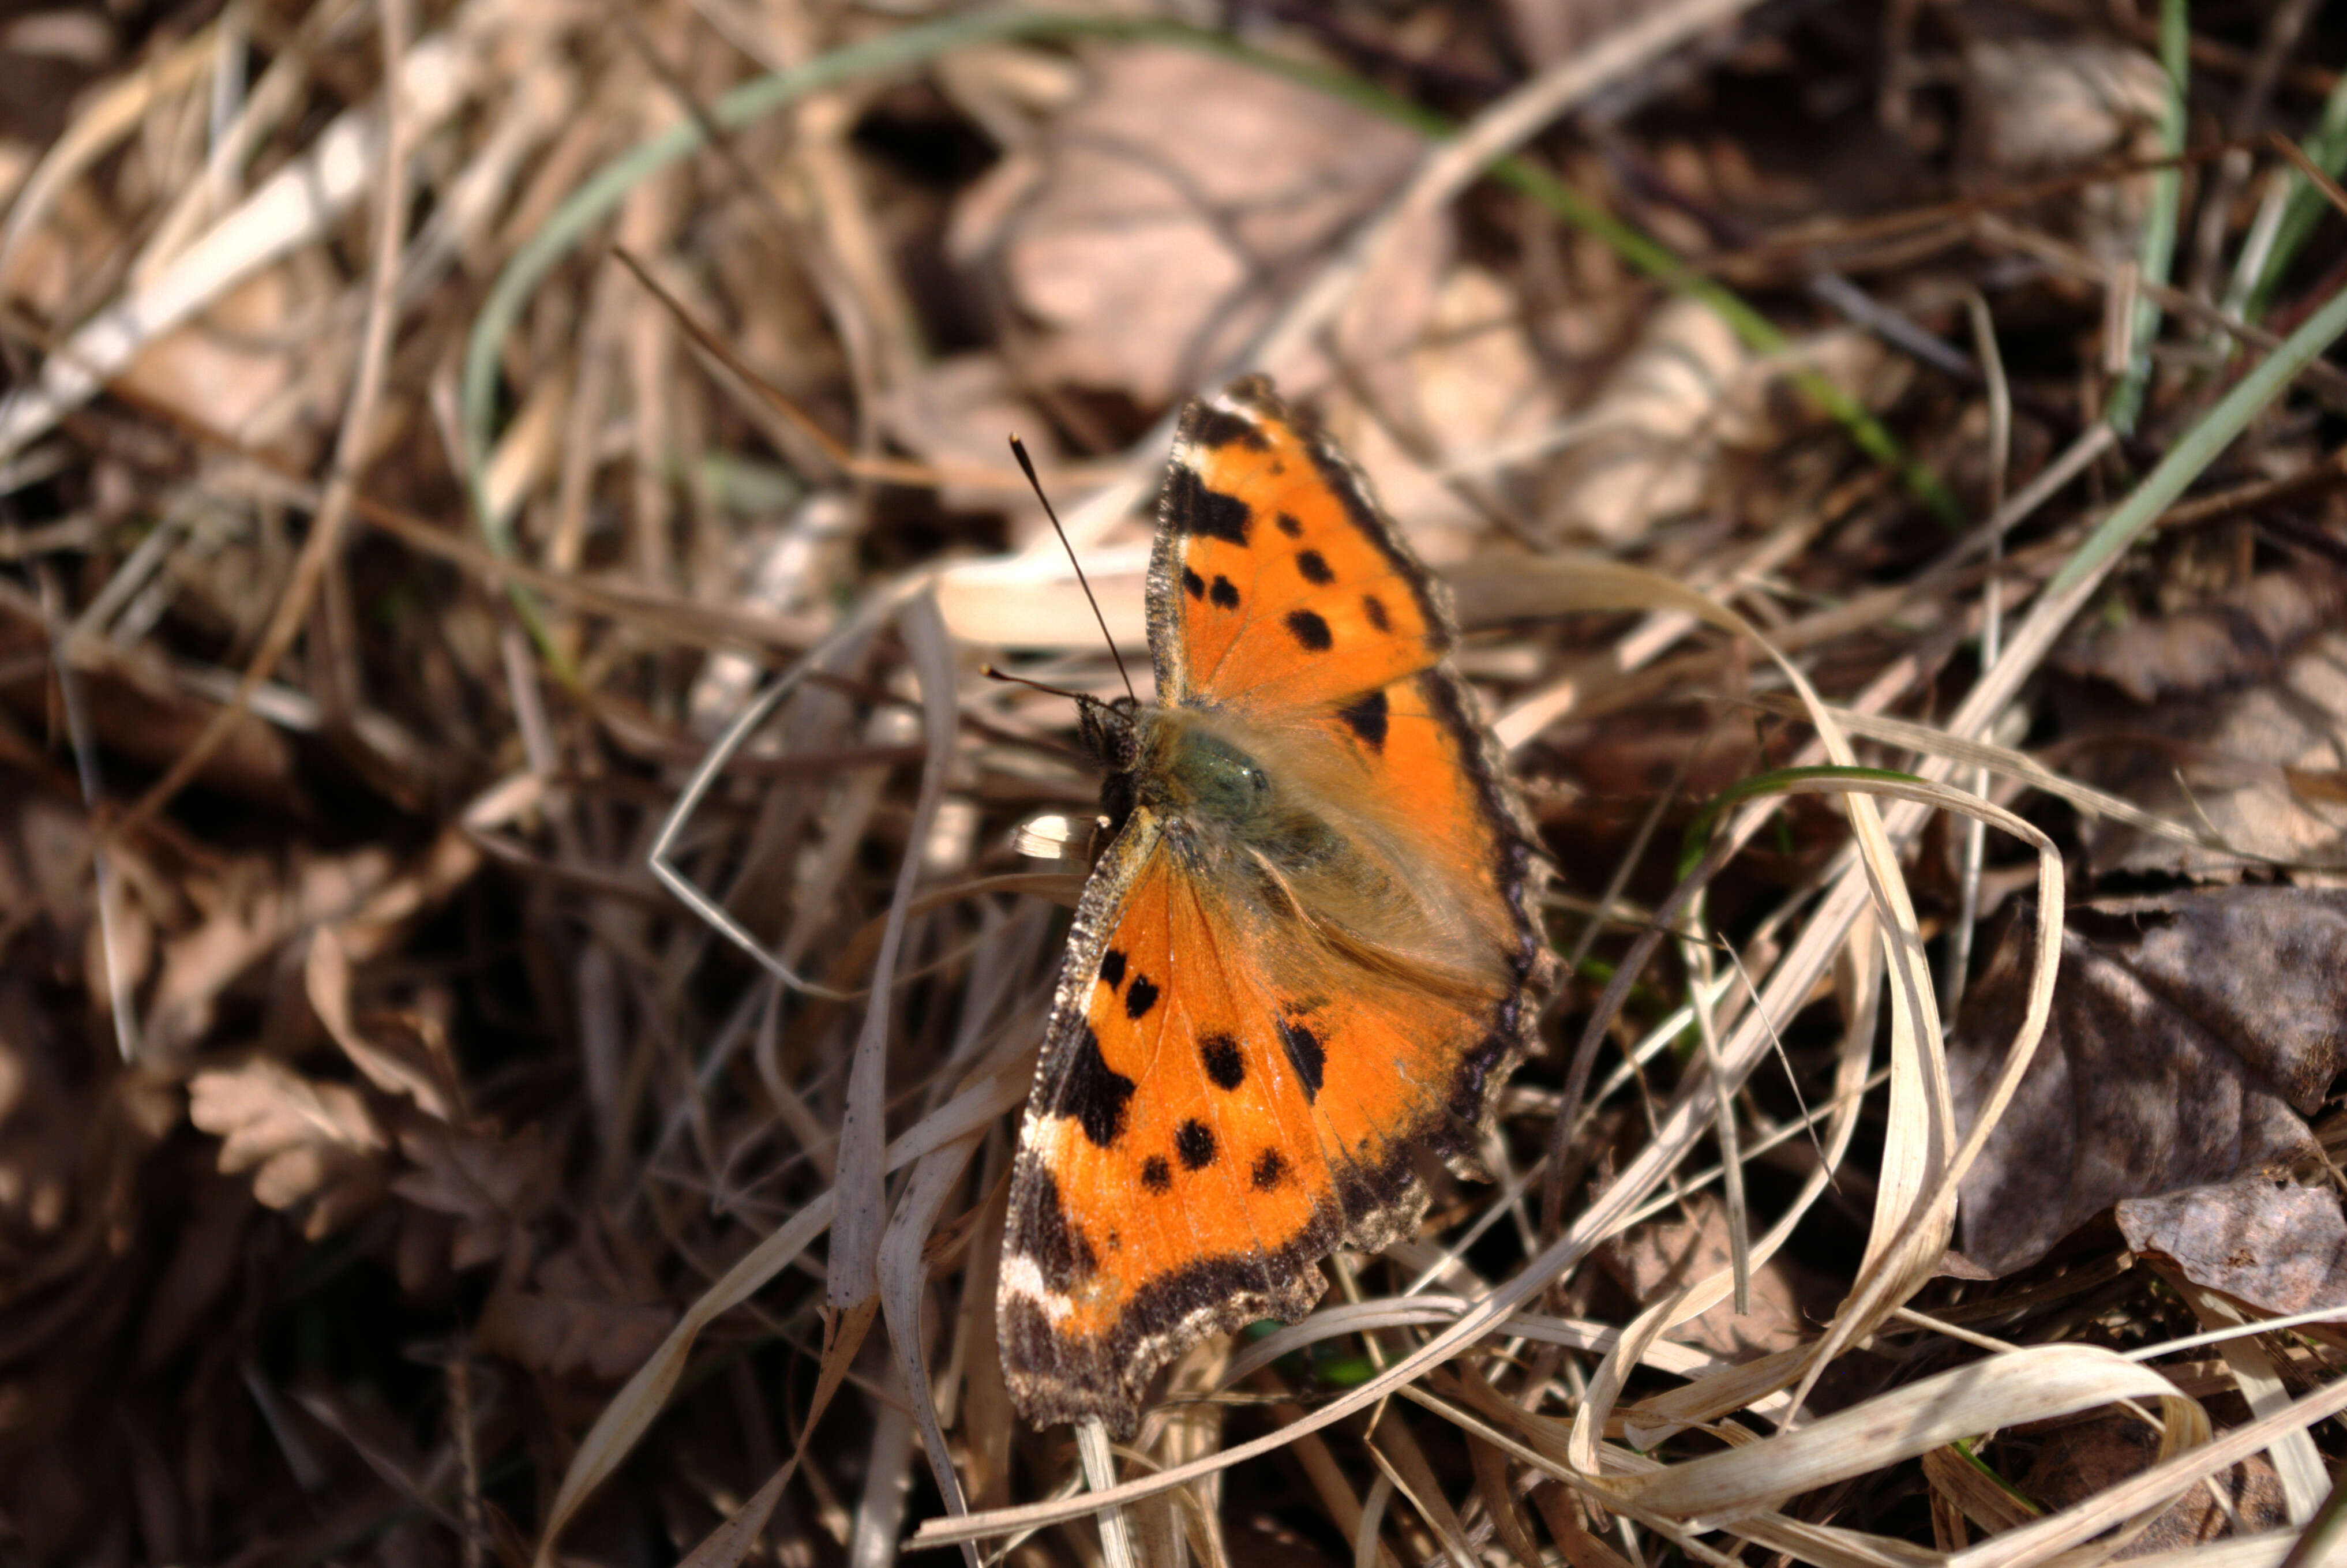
(1018, 450)
(992, 673)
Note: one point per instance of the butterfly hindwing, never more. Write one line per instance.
(1144, 1212)
(1201, 1136)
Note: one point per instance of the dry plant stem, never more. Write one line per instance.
(459, 1373)
(1929, 741)
(2296, 1461)
(294, 206)
(877, 609)
(1696, 955)
(1002, 1085)
(856, 1240)
(1699, 1297)
(121, 1002)
(1407, 1469)
(904, 1273)
(2283, 26)
(2000, 448)
(232, 144)
(865, 467)
(358, 419)
(123, 106)
(1100, 1475)
(1367, 1536)
(2325, 1539)
(2320, 377)
(1567, 1124)
(2038, 1543)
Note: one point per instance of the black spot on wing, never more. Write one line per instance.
(1192, 584)
(1287, 523)
(1310, 630)
(1223, 593)
(1224, 1065)
(1140, 997)
(1214, 427)
(1314, 567)
(1374, 608)
(1366, 717)
(1092, 1091)
(1194, 1142)
(1112, 968)
(1192, 508)
(1156, 1174)
(1303, 1047)
(1270, 1170)
(1062, 1255)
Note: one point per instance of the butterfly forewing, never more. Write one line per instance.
(1276, 583)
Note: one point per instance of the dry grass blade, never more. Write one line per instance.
(855, 1265)
(2032, 1383)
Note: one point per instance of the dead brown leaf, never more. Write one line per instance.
(1659, 1257)
(397, 1055)
(2273, 1245)
(311, 1146)
(2074, 1462)
(1149, 259)
(2229, 712)
(2188, 1035)
(2234, 638)
(595, 1306)
(2038, 107)
(491, 1185)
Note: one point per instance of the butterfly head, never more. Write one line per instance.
(1108, 732)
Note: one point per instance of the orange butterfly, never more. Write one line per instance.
(1309, 952)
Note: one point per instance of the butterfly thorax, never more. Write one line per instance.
(1206, 782)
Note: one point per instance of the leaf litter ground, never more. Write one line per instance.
(383, 1152)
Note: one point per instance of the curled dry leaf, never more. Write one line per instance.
(395, 1059)
(1150, 258)
(247, 907)
(2188, 1035)
(490, 1185)
(2273, 1245)
(310, 1146)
